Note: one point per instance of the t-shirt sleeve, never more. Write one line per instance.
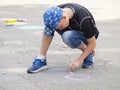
(89, 28)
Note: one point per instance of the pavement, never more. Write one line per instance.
(19, 44)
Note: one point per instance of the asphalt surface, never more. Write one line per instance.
(19, 44)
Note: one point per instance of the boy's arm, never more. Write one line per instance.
(90, 47)
(45, 43)
(85, 53)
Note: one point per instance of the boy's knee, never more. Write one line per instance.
(70, 40)
(67, 36)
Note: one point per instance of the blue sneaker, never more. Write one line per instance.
(88, 62)
(37, 66)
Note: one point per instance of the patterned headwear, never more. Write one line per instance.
(51, 17)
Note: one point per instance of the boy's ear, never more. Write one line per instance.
(64, 17)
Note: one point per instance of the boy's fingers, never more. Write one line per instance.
(72, 67)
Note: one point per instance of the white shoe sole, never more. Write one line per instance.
(38, 70)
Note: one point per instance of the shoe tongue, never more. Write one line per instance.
(36, 60)
(42, 60)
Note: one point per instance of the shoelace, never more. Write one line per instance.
(35, 61)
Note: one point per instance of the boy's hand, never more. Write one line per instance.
(74, 65)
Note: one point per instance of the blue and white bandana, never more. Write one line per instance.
(51, 17)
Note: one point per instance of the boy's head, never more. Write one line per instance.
(52, 17)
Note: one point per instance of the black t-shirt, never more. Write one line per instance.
(82, 20)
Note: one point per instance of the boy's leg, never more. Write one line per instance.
(74, 39)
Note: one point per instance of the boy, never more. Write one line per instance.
(77, 28)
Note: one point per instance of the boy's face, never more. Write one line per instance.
(64, 22)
